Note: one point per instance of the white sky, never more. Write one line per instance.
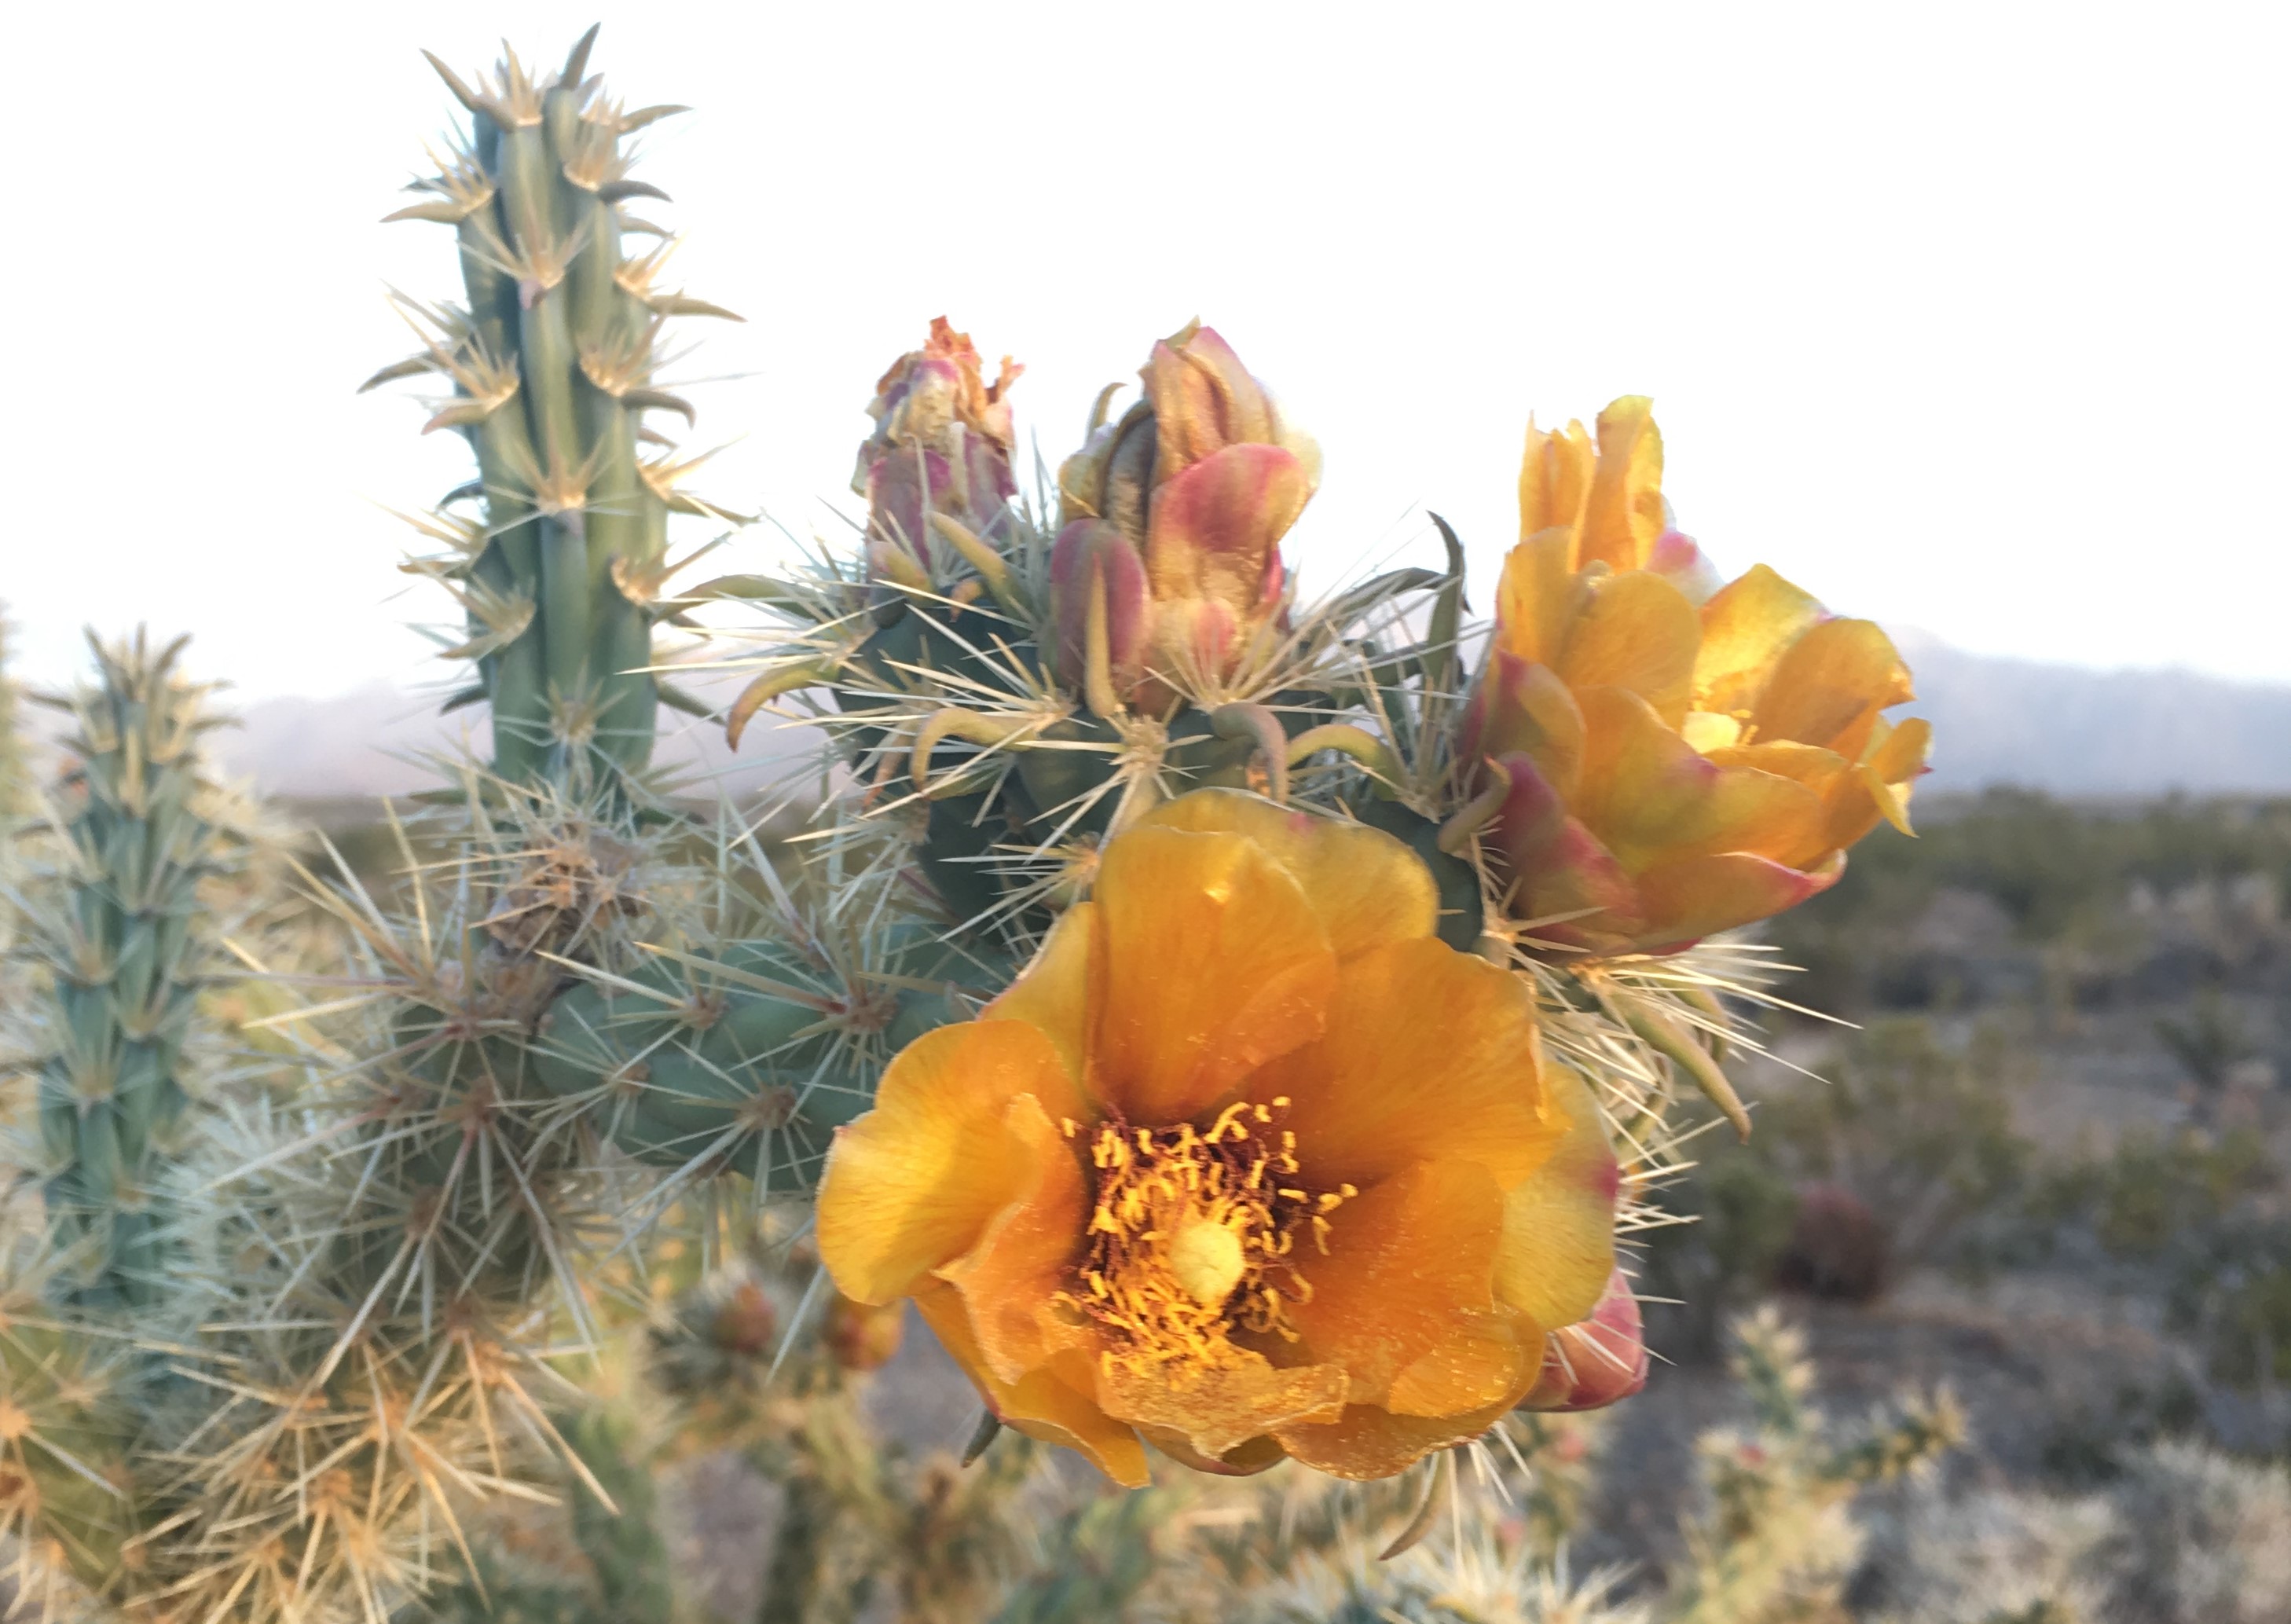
(1966, 318)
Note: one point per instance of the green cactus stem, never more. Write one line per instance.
(554, 362)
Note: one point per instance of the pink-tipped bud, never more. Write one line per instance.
(1597, 1361)
(1203, 479)
(1096, 572)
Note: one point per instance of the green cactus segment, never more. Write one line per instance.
(553, 362)
(753, 1059)
(124, 947)
(1462, 918)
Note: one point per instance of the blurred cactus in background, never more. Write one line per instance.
(126, 941)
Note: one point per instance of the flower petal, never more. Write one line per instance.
(1686, 565)
(1623, 515)
(1524, 708)
(1833, 781)
(1555, 477)
(912, 1184)
(1054, 994)
(1538, 596)
(1219, 1408)
(1367, 888)
(1688, 900)
(1430, 1055)
(1366, 1442)
(1567, 890)
(1638, 633)
(1203, 399)
(1744, 628)
(1405, 1300)
(1651, 797)
(1897, 758)
(1009, 1279)
(1214, 528)
(1214, 963)
(1829, 684)
(1558, 1244)
(1044, 1405)
(1093, 564)
(1242, 1460)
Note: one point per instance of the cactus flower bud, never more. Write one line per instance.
(862, 1336)
(1598, 1361)
(1096, 575)
(1201, 478)
(942, 443)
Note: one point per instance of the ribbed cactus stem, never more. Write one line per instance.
(122, 942)
(552, 362)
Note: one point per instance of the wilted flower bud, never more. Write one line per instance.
(1201, 479)
(942, 443)
(1679, 758)
(861, 1336)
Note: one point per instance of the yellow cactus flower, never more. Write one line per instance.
(1247, 1164)
(1679, 759)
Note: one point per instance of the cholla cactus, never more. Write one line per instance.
(1775, 1538)
(121, 933)
(557, 550)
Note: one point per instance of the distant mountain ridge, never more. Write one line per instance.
(2072, 730)
(2063, 728)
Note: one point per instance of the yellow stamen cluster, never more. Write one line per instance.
(1195, 1233)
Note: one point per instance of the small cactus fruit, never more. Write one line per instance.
(127, 950)
(557, 550)
(746, 1322)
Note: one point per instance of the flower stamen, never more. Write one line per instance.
(1191, 1234)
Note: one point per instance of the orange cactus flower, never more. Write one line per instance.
(1247, 1164)
(1173, 518)
(1680, 760)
